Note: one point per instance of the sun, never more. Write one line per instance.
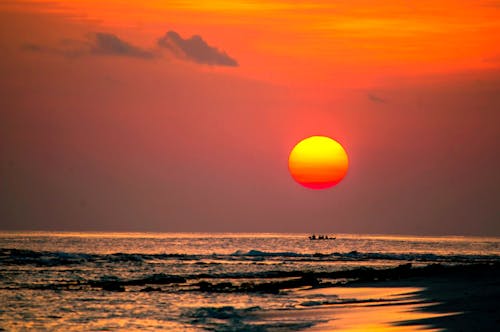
(318, 162)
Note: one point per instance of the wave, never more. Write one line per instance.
(56, 258)
(359, 256)
(268, 254)
(229, 318)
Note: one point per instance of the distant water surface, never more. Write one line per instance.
(192, 281)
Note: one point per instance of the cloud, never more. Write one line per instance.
(195, 49)
(376, 99)
(98, 43)
(109, 44)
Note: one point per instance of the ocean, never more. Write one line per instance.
(200, 281)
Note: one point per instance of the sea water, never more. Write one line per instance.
(193, 281)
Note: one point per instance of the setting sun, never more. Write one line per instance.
(318, 162)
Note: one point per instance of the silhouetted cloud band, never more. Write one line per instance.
(195, 49)
(109, 44)
(100, 43)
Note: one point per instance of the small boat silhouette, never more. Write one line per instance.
(321, 237)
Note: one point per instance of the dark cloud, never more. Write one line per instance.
(376, 99)
(98, 43)
(109, 44)
(195, 49)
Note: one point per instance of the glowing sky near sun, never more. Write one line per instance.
(182, 114)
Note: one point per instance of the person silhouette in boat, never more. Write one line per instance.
(321, 237)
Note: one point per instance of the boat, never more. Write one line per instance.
(321, 237)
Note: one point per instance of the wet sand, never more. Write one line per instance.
(467, 301)
(361, 309)
(475, 296)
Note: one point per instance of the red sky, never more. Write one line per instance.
(112, 117)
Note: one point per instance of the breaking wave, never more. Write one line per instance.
(57, 258)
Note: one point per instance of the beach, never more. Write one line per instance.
(466, 301)
(462, 299)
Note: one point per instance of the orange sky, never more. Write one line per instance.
(109, 111)
(312, 41)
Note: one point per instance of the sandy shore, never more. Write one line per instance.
(463, 301)
(474, 295)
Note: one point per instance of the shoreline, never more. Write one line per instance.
(459, 298)
(448, 302)
(474, 296)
